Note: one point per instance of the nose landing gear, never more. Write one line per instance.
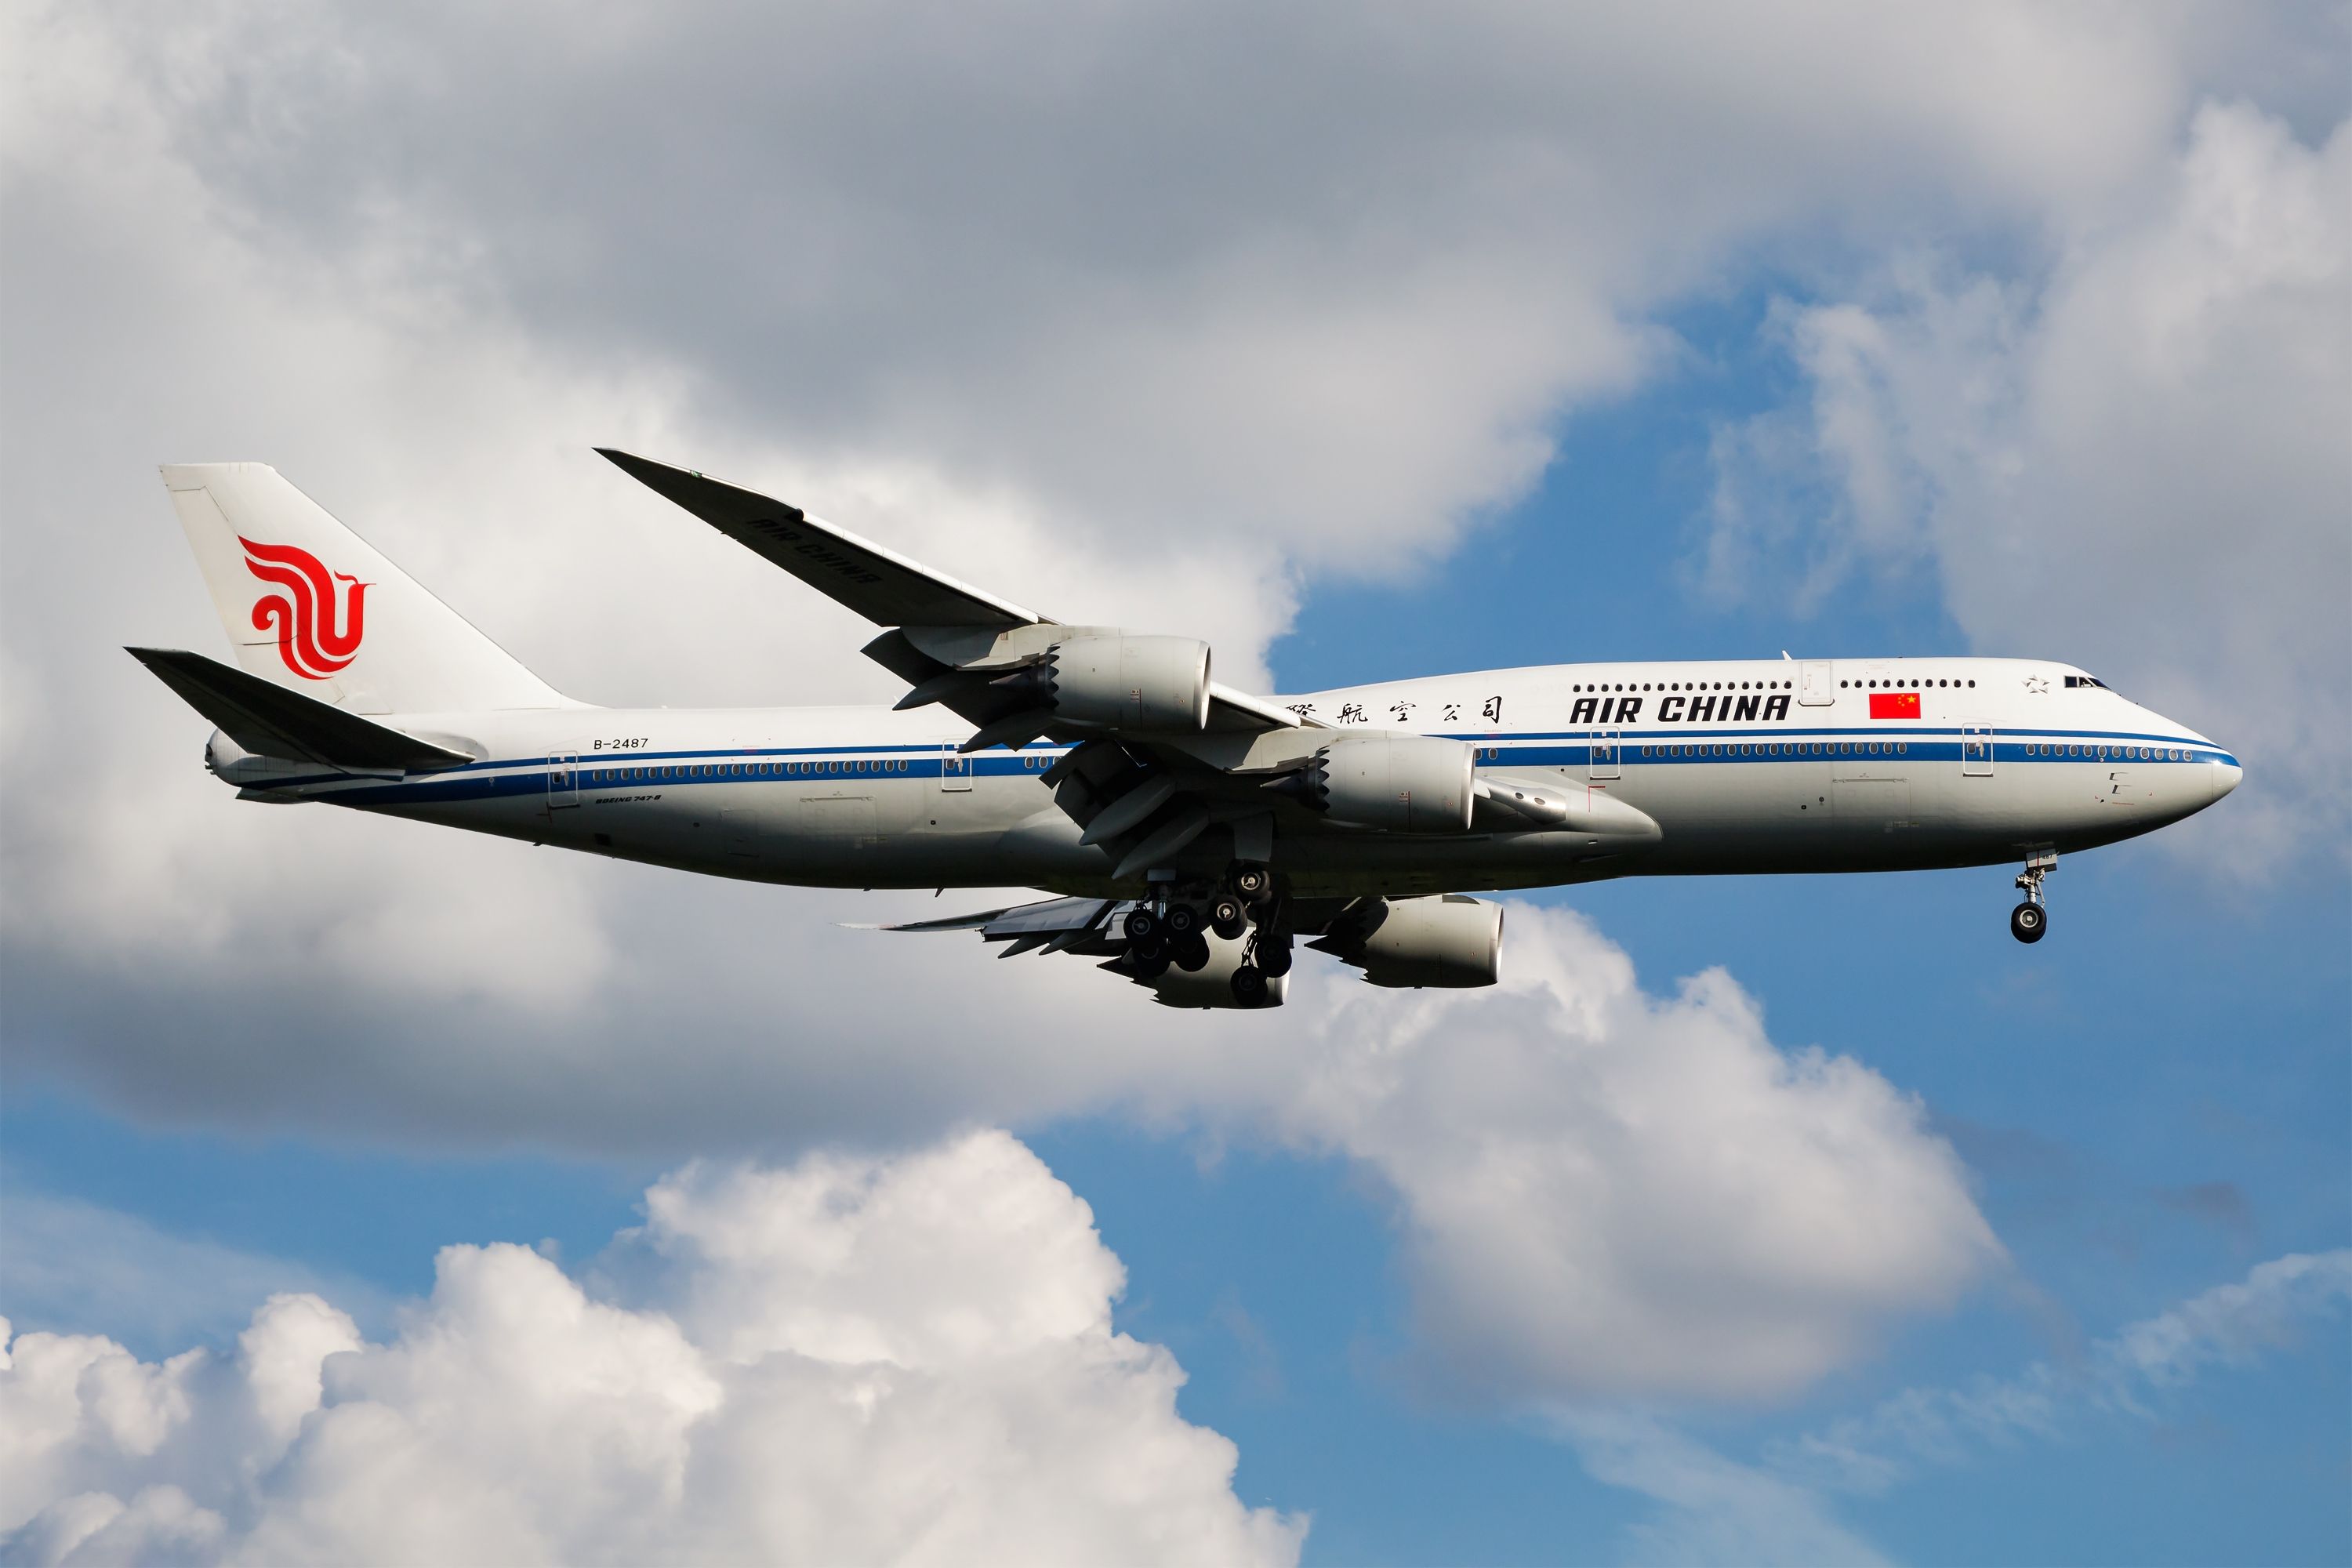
(2030, 922)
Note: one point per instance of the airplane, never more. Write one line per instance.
(1191, 835)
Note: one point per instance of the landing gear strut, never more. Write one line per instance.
(1256, 903)
(2030, 922)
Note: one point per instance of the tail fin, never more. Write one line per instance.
(309, 607)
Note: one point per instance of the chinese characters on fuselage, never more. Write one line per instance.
(1401, 711)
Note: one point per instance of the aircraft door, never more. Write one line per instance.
(1976, 752)
(1601, 755)
(955, 770)
(1813, 688)
(562, 780)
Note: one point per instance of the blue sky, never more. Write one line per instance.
(1829, 428)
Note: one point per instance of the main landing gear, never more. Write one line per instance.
(1172, 930)
(2030, 922)
(1268, 955)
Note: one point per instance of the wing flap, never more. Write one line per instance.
(1044, 920)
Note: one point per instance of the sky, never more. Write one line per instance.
(368, 1191)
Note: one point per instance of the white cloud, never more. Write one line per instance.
(2130, 1372)
(908, 1359)
(1605, 1191)
(2138, 464)
(1713, 1508)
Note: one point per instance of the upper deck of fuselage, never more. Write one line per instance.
(1999, 693)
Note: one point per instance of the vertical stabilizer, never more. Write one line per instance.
(309, 605)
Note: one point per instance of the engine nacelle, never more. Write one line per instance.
(1449, 939)
(1407, 783)
(1136, 682)
(1212, 984)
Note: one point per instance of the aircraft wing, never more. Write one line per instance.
(880, 584)
(1166, 768)
(956, 629)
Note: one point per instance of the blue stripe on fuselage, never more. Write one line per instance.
(530, 775)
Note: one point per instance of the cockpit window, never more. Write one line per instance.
(2072, 680)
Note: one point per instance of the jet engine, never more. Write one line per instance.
(1448, 939)
(1114, 677)
(1408, 784)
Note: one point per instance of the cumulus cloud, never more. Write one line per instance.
(1309, 272)
(1605, 1192)
(844, 1361)
(1599, 1189)
(2135, 463)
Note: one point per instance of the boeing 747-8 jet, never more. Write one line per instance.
(1191, 832)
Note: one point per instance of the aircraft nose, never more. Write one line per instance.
(2225, 777)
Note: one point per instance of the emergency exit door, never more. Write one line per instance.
(563, 781)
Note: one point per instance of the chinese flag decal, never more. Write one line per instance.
(1895, 705)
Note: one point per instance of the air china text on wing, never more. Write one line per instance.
(1192, 833)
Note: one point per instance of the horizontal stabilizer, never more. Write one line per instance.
(270, 720)
(880, 584)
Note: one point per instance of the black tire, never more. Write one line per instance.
(1190, 951)
(1249, 985)
(1148, 968)
(1274, 957)
(2029, 923)
(1183, 919)
(1227, 917)
(1232, 929)
(1141, 925)
(1251, 882)
(1152, 948)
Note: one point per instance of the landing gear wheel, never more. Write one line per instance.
(1249, 985)
(1148, 964)
(1274, 958)
(1141, 925)
(1183, 919)
(2030, 919)
(1226, 916)
(1190, 951)
(1251, 881)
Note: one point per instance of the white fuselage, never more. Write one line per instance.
(1749, 766)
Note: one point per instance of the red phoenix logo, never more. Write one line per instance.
(305, 617)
